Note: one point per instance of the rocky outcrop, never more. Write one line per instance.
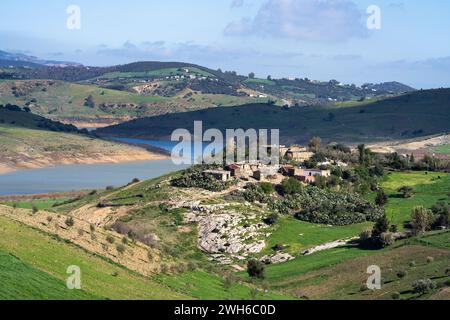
(277, 258)
(226, 234)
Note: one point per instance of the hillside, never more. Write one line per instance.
(199, 241)
(30, 141)
(412, 115)
(88, 105)
(99, 96)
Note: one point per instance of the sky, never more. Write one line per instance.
(319, 39)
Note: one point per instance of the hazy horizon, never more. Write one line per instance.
(322, 40)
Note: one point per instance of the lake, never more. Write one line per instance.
(86, 176)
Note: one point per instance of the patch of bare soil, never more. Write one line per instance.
(421, 144)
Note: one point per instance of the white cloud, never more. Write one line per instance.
(312, 20)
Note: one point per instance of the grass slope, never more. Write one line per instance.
(65, 101)
(411, 115)
(21, 281)
(99, 277)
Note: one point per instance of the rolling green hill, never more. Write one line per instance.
(412, 115)
(87, 105)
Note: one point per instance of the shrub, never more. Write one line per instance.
(70, 222)
(412, 264)
(256, 269)
(396, 296)
(381, 226)
(406, 191)
(272, 219)
(381, 199)
(291, 186)
(120, 248)
(35, 209)
(267, 188)
(49, 219)
(402, 273)
(92, 228)
(430, 259)
(125, 240)
(423, 286)
(110, 239)
(393, 228)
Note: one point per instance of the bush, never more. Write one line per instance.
(381, 199)
(70, 222)
(256, 269)
(423, 286)
(401, 274)
(291, 186)
(267, 188)
(430, 259)
(120, 248)
(35, 209)
(406, 191)
(110, 239)
(272, 219)
(381, 226)
(396, 296)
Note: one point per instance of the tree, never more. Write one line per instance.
(380, 227)
(442, 212)
(251, 75)
(315, 143)
(381, 199)
(256, 269)
(406, 191)
(269, 77)
(89, 102)
(421, 219)
(291, 186)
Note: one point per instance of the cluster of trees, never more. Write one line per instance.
(315, 205)
(427, 163)
(195, 177)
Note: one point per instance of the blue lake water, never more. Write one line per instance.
(84, 177)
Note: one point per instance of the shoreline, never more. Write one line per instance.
(48, 162)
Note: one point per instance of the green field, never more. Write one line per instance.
(428, 190)
(444, 149)
(21, 281)
(40, 204)
(298, 235)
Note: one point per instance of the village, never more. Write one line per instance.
(276, 173)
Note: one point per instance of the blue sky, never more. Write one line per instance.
(318, 39)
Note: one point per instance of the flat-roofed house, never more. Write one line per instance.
(220, 175)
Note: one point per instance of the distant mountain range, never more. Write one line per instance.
(23, 60)
(99, 96)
